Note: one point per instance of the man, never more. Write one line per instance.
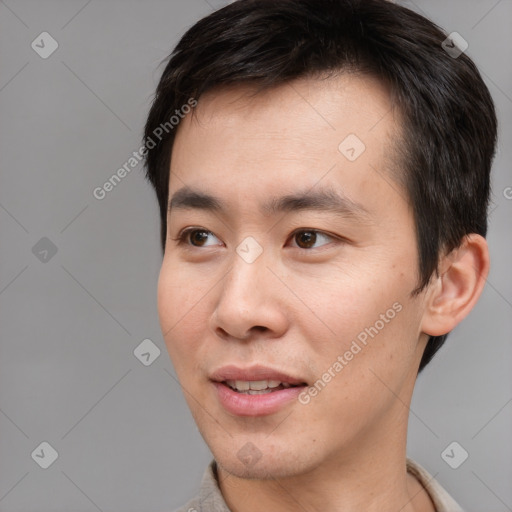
(322, 171)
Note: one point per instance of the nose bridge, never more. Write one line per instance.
(248, 273)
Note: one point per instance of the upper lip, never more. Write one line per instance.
(253, 373)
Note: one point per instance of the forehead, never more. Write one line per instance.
(334, 100)
(293, 134)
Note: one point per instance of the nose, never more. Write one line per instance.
(251, 302)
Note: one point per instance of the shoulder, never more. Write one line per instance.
(440, 497)
(197, 504)
(209, 498)
(191, 506)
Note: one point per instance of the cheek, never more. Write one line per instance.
(180, 309)
(358, 381)
(365, 316)
(342, 300)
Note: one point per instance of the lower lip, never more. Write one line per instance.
(242, 404)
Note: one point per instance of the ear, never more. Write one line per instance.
(452, 295)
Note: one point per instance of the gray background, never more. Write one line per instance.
(70, 324)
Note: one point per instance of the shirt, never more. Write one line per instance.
(210, 498)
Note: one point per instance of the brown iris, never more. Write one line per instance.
(306, 237)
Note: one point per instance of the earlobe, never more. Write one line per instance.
(452, 295)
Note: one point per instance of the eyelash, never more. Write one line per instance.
(181, 238)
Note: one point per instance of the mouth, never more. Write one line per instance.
(259, 387)
(255, 378)
(255, 391)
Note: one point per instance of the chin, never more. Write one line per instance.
(268, 470)
(262, 462)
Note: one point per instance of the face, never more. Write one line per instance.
(315, 291)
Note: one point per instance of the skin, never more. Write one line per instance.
(299, 309)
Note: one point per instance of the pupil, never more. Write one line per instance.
(196, 238)
(308, 237)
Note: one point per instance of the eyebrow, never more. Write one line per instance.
(318, 199)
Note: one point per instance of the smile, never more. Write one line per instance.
(257, 387)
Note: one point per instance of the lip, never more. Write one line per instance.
(241, 404)
(252, 373)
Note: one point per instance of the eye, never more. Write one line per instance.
(308, 238)
(198, 235)
(195, 237)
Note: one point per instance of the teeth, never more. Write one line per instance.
(258, 385)
(241, 385)
(255, 385)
